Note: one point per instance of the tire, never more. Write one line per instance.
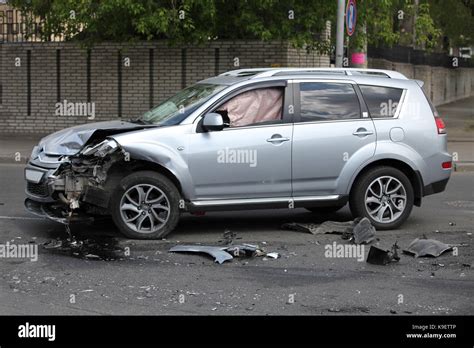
(325, 210)
(154, 217)
(390, 210)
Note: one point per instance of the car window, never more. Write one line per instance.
(262, 105)
(381, 101)
(322, 101)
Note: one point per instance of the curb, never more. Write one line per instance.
(463, 166)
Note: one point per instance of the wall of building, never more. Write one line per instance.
(442, 85)
(122, 80)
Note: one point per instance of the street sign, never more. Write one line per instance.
(351, 17)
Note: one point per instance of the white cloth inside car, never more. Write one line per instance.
(259, 105)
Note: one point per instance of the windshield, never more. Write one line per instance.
(181, 105)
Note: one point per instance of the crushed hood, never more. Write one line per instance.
(71, 140)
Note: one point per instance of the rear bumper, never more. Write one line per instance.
(435, 187)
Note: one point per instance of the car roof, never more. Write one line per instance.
(359, 76)
(267, 72)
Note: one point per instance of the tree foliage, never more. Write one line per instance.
(197, 21)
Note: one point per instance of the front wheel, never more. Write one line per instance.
(384, 195)
(145, 205)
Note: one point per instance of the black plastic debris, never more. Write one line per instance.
(363, 232)
(327, 227)
(306, 228)
(379, 256)
(228, 237)
(426, 247)
(359, 230)
(97, 248)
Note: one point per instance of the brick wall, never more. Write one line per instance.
(156, 71)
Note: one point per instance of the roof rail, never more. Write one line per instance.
(267, 72)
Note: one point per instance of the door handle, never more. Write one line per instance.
(361, 132)
(277, 140)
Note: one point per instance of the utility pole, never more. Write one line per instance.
(415, 5)
(340, 33)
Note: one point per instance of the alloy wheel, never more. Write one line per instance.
(385, 199)
(145, 208)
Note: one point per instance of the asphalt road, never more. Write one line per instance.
(302, 281)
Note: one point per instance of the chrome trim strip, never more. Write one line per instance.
(243, 201)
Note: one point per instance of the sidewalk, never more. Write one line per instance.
(458, 116)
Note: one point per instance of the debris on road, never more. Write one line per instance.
(426, 247)
(293, 226)
(218, 253)
(99, 248)
(359, 230)
(225, 253)
(228, 237)
(379, 256)
(327, 227)
(363, 232)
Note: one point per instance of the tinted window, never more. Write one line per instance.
(328, 101)
(381, 101)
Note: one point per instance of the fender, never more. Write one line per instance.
(161, 146)
(387, 150)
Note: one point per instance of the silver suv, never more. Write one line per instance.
(246, 139)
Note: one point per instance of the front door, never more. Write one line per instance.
(252, 157)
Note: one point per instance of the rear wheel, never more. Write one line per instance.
(145, 205)
(384, 195)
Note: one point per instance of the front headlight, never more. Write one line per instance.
(102, 149)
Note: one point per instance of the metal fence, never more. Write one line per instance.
(409, 55)
(16, 27)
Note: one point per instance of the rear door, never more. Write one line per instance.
(332, 130)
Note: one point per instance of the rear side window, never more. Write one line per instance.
(381, 101)
(321, 101)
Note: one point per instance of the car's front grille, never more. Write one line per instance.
(40, 190)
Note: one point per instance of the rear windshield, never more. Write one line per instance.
(381, 101)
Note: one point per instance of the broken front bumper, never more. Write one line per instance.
(37, 187)
(55, 212)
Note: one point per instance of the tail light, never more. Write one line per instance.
(440, 125)
(446, 165)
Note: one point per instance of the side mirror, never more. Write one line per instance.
(213, 122)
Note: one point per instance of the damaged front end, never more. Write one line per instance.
(77, 188)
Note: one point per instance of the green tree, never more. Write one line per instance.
(455, 20)
(183, 21)
(299, 21)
